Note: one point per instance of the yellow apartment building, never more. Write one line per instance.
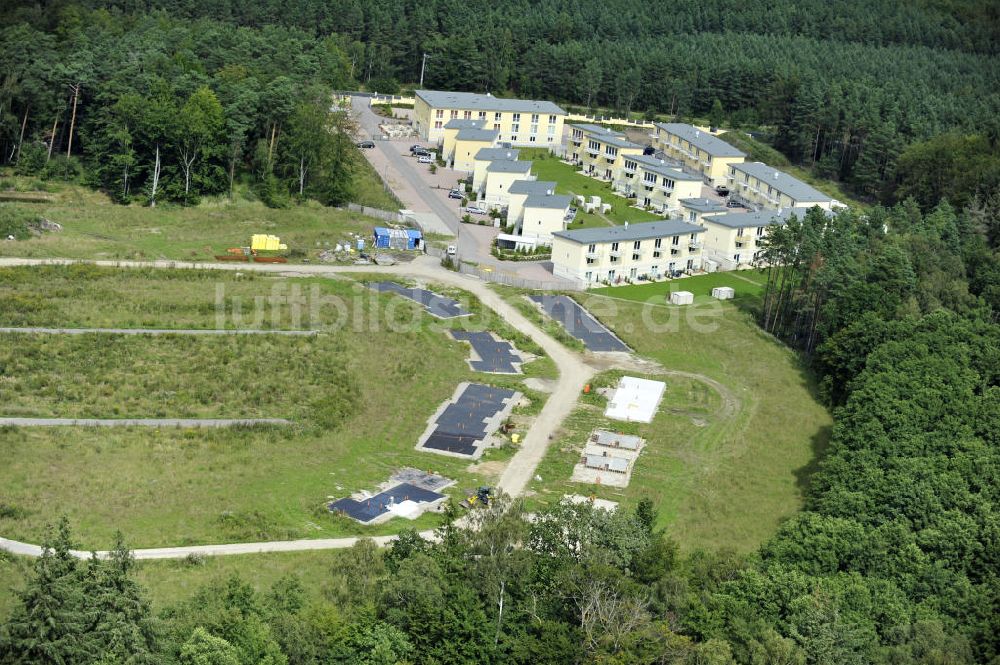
(695, 210)
(519, 122)
(468, 143)
(733, 240)
(697, 150)
(483, 159)
(613, 254)
(500, 175)
(545, 214)
(653, 183)
(451, 130)
(600, 151)
(519, 192)
(757, 185)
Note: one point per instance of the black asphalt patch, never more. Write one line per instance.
(496, 357)
(439, 306)
(367, 510)
(462, 426)
(579, 323)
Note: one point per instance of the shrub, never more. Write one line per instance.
(15, 222)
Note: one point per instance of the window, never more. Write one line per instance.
(532, 138)
(649, 177)
(760, 231)
(439, 113)
(694, 237)
(517, 117)
(467, 115)
(454, 114)
(594, 145)
(635, 256)
(588, 276)
(482, 115)
(591, 261)
(676, 240)
(692, 217)
(632, 273)
(552, 120)
(513, 138)
(534, 117)
(591, 248)
(669, 184)
(630, 165)
(654, 271)
(657, 243)
(496, 126)
(515, 128)
(438, 124)
(614, 247)
(610, 152)
(637, 244)
(736, 258)
(497, 116)
(534, 128)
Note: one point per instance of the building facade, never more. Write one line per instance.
(759, 186)
(483, 159)
(697, 150)
(545, 214)
(734, 240)
(500, 175)
(694, 210)
(519, 122)
(655, 184)
(468, 143)
(519, 192)
(648, 250)
(598, 150)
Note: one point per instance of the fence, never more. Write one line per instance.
(605, 120)
(377, 213)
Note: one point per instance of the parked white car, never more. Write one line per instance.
(425, 159)
(476, 210)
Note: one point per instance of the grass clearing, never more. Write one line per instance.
(360, 395)
(547, 166)
(719, 479)
(96, 228)
(747, 284)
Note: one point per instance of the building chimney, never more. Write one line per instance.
(626, 225)
(775, 175)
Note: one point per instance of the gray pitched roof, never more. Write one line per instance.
(788, 185)
(509, 167)
(641, 231)
(462, 123)
(661, 167)
(530, 187)
(605, 135)
(474, 101)
(493, 154)
(742, 220)
(552, 201)
(470, 134)
(703, 205)
(714, 146)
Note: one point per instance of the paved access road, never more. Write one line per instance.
(573, 374)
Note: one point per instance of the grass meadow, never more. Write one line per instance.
(96, 228)
(724, 469)
(359, 396)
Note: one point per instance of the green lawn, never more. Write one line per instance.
(721, 477)
(547, 166)
(360, 396)
(747, 284)
(96, 228)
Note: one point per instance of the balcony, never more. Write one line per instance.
(593, 151)
(593, 256)
(614, 253)
(675, 251)
(577, 142)
(694, 245)
(666, 189)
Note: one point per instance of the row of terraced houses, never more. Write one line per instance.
(674, 174)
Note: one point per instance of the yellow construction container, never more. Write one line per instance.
(266, 242)
(515, 438)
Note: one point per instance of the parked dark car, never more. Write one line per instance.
(733, 204)
(722, 190)
(366, 145)
(416, 147)
(456, 194)
(421, 153)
